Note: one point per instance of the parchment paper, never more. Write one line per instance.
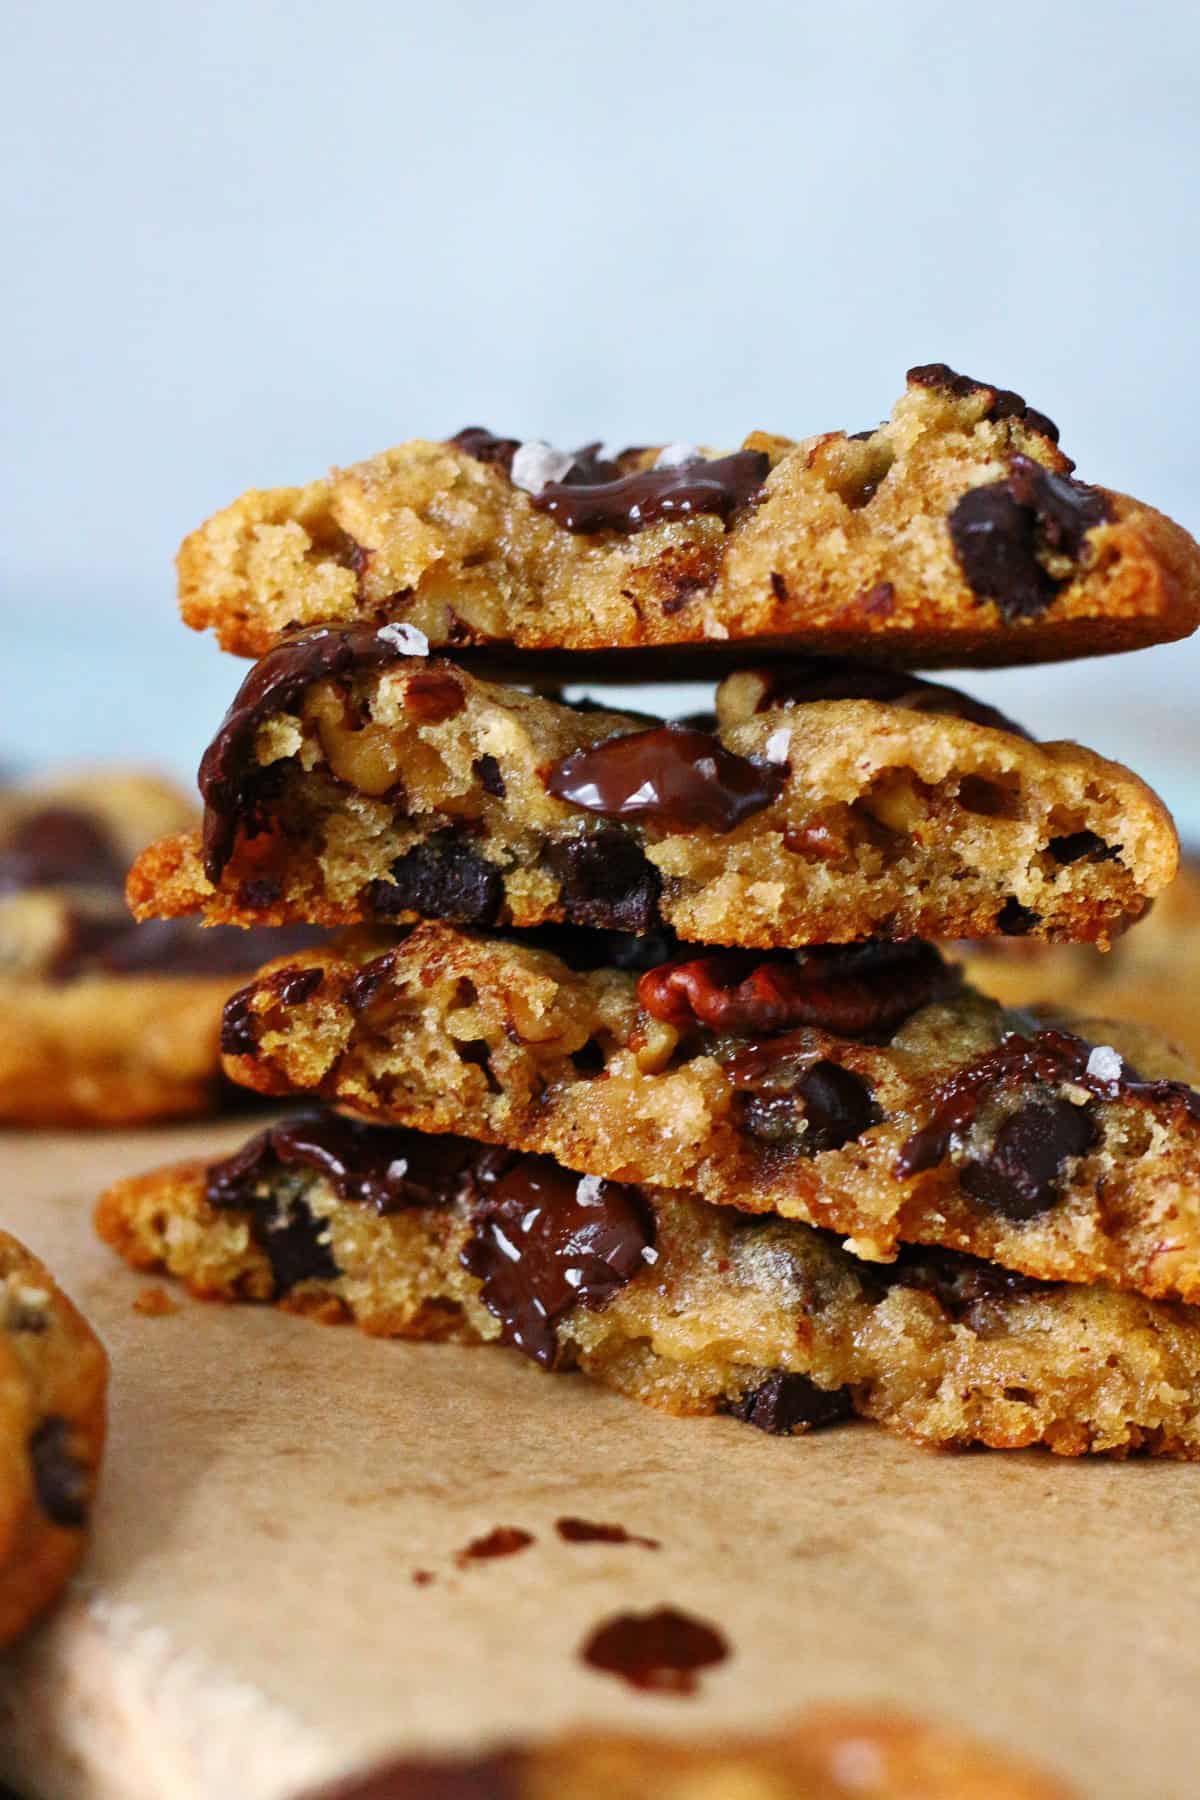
(247, 1620)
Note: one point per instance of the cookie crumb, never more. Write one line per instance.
(154, 1303)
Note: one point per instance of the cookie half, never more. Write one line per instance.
(107, 1022)
(350, 783)
(955, 533)
(830, 1753)
(684, 1306)
(864, 1089)
(53, 1379)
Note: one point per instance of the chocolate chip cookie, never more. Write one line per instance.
(830, 1753)
(685, 1306)
(863, 1089)
(955, 533)
(106, 1022)
(53, 1376)
(351, 783)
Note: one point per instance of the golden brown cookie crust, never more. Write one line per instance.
(53, 1378)
(847, 553)
(501, 1041)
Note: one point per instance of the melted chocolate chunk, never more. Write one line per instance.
(504, 1540)
(785, 1403)
(1005, 403)
(605, 880)
(385, 1167)
(486, 771)
(235, 788)
(1019, 1174)
(959, 1283)
(808, 679)
(809, 1109)
(662, 1650)
(544, 1241)
(1048, 1059)
(632, 502)
(60, 846)
(293, 1242)
(1000, 531)
(497, 1777)
(668, 777)
(855, 990)
(486, 447)
(61, 1481)
(443, 878)
(584, 1531)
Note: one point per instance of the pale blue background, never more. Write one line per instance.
(244, 241)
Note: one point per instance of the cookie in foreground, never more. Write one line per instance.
(954, 534)
(829, 1753)
(105, 1022)
(53, 1379)
(866, 1088)
(683, 1306)
(351, 783)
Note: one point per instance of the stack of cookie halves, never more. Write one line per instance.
(639, 1054)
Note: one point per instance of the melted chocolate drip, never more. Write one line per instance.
(385, 1167)
(632, 502)
(1047, 1059)
(235, 788)
(584, 1531)
(669, 777)
(807, 679)
(544, 1241)
(662, 1650)
(503, 1540)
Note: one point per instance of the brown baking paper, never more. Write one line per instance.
(247, 1620)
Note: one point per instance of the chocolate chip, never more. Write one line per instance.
(1015, 920)
(486, 771)
(442, 878)
(998, 531)
(544, 1241)
(1019, 1174)
(239, 1024)
(486, 447)
(784, 1403)
(61, 1480)
(1080, 844)
(260, 892)
(606, 880)
(959, 1283)
(294, 1245)
(838, 1106)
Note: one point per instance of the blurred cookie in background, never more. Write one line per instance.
(106, 1022)
(1151, 976)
